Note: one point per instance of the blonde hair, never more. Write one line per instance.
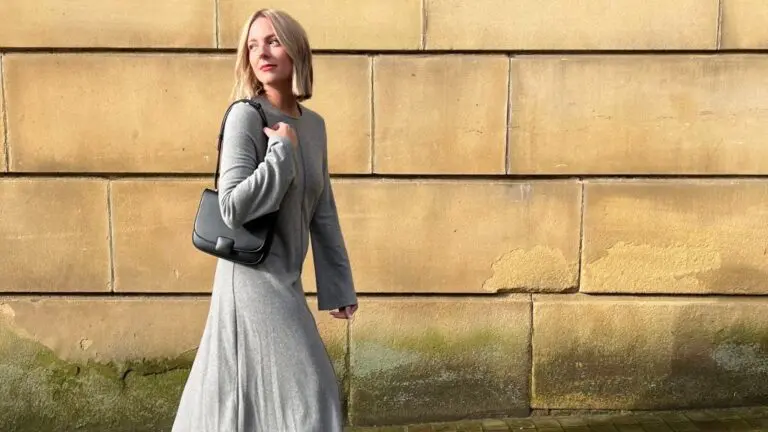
(292, 36)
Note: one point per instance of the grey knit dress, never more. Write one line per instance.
(261, 365)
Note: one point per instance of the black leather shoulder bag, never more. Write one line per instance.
(249, 244)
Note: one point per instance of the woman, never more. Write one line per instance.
(261, 365)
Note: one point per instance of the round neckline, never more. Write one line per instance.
(263, 99)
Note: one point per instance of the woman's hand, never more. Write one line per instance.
(345, 312)
(283, 130)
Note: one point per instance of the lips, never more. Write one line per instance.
(267, 67)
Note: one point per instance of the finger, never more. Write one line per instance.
(348, 312)
(269, 131)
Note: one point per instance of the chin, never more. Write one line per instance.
(272, 80)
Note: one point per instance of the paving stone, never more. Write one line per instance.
(752, 412)
(656, 427)
(626, 420)
(547, 423)
(495, 426)
(576, 429)
(648, 419)
(520, 424)
(698, 416)
(629, 428)
(602, 428)
(725, 414)
(758, 422)
(683, 427)
(737, 425)
(473, 426)
(710, 426)
(602, 419)
(571, 421)
(673, 417)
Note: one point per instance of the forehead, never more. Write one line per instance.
(261, 28)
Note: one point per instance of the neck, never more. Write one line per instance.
(283, 100)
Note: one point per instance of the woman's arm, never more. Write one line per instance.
(248, 189)
(335, 288)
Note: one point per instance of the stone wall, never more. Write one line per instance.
(548, 204)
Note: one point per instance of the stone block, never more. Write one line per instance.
(54, 235)
(342, 95)
(646, 353)
(429, 359)
(569, 25)
(108, 24)
(152, 224)
(106, 364)
(335, 24)
(675, 236)
(136, 113)
(640, 114)
(440, 114)
(438, 236)
(744, 24)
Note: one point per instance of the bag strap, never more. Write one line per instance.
(221, 135)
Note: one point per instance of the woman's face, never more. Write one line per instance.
(270, 62)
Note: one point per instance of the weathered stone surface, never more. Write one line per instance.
(54, 235)
(152, 235)
(455, 122)
(564, 24)
(3, 145)
(437, 236)
(95, 364)
(419, 359)
(115, 112)
(107, 330)
(648, 353)
(639, 115)
(744, 24)
(108, 23)
(335, 24)
(342, 95)
(666, 236)
(106, 364)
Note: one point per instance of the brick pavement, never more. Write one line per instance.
(715, 420)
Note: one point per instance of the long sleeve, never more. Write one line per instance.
(248, 189)
(333, 273)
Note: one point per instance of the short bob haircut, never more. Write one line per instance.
(293, 37)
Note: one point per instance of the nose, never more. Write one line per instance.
(262, 51)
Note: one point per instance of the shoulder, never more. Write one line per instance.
(313, 119)
(242, 117)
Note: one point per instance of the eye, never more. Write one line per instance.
(274, 42)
